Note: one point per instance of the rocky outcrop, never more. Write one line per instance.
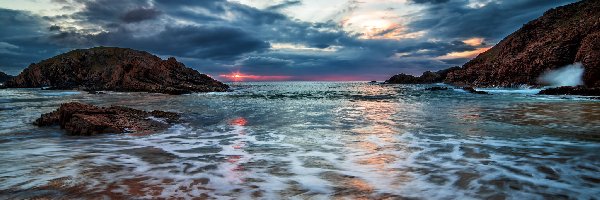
(115, 69)
(562, 36)
(472, 90)
(85, 119)
(427, 77)
(568, 90)
(4, 77)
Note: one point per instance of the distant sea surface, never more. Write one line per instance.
(311, 140)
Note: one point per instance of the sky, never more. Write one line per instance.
(255, 40)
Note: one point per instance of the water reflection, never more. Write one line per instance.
(310, 141)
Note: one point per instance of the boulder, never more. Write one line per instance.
(472, 90)
(569, 90)
(84, 119)
(437, 88)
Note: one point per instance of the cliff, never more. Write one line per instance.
(115, 69)
(562, 36)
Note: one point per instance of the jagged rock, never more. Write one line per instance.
(84, 119)
(114, 69)
(4, 77)
(427, 77)
(569, 90)
(472, 90)
(562, 36)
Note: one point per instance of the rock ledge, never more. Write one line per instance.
(84, 119)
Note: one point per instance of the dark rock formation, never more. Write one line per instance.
(472, 90)
(85, 119)
(427, 77)
(437, 88)
(115, 69)
(4, 77)
(562, 36)
(568, 90)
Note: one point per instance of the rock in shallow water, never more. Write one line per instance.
(437, 88)
(472, 90)
(569, 90)
(85, 119)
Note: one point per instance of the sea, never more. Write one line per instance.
(310, 140)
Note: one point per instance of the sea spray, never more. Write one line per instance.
(570, 75)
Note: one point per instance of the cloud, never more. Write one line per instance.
(206, 42)
(285, 4)
(140, 14)
(429, 1)
(491, 20)
(220, 37)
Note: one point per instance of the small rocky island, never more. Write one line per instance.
(562, 36)
(427, 77)
(114, 69)
(84, 119)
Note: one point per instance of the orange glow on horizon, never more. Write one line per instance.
(241, 77)
(237, 76)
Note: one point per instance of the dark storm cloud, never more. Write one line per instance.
(285, 4)
(140, 14)
(265, 62)
(54, 28)
(495, 20)
(430, 1)
(109, 12)
(219, 36)
(189, 41)
(23, 40)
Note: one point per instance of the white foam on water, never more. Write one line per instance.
(510, 91)
(298, 160)
(66, 93)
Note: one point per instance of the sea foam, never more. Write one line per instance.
(570, 75)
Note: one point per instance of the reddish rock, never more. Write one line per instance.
(562, 36)
(115, 69)
(85, 119)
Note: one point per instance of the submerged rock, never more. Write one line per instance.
(472, 90)
(115, 69)
(84, 119)
(437, 88)
(569, 90)
(562, 36)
